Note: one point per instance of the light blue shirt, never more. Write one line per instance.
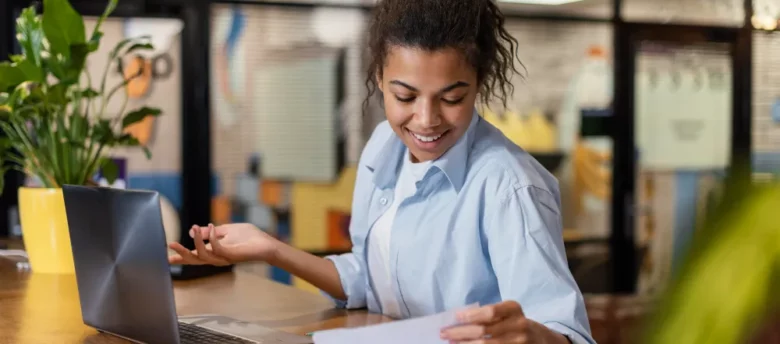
(483, 227)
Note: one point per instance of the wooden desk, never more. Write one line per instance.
(39, 308)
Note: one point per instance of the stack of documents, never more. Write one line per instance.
(422, 330)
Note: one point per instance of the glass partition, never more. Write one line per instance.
(683, 115)
(287, 124)
(766, 106)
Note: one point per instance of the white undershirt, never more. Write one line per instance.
(379, 239)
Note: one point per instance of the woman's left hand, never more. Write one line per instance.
(498, 324)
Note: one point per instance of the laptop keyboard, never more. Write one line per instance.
(193, 334)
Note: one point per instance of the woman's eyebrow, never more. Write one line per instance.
(458, 84)
(443, 90)
(403, 84)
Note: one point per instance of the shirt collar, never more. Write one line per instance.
(387, 162)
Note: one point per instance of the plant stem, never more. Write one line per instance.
(119, 87)
(92, 165)
(103, 85)
(90, 104)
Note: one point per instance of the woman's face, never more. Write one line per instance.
(429, 98)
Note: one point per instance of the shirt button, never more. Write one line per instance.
(383, 201)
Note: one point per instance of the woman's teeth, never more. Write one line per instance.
(427, 138)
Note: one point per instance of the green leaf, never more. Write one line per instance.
(119, 46)
(30, 35)
(30, 71)
(94, 42)
(21, 93)
(137, 43)
(62, 25)
(56, 65)
(10, 76)
(109, 8)
(75, 64)
(57, 94)
(102, 133)
(127, 140)
(147, 152)
(79, 128)
(110, 170)
(89, 93)
(13, 98)
(139, 46)
(139, 115)
(5, 112)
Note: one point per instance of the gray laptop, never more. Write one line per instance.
(124, 278)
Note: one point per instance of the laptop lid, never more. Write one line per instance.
(120, 255)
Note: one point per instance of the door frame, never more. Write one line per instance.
(628, 36)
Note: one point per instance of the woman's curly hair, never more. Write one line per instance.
(475, 27)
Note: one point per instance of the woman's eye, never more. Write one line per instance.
(404, 100)
(453, 102)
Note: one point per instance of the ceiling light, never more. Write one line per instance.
(540, 2)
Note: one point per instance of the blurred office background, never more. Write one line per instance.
(642, 109)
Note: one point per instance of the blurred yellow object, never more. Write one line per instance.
(45, 230)
(533, 133)
(591, 174)
(728, 283)
(50, 308)
(491, 117)
(542, 132)
(514, 128)
(310, 204)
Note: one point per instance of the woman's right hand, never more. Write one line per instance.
(242, 242)
(228, 244)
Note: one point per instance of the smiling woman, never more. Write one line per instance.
(429, 98)
(446, 210)
(430, 81)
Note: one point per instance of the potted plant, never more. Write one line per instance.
(56, 123)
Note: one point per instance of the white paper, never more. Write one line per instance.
(422, 330)
(683, 125)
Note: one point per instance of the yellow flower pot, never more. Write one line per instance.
(45, 230)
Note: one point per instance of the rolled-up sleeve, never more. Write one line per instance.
(525, 243)
(350, 270)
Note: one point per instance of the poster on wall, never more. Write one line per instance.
(683, 109)
(296, 120)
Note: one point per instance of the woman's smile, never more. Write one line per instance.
(429, 141)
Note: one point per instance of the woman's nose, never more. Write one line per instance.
(429, 115)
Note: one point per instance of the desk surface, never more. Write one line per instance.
(39, 308)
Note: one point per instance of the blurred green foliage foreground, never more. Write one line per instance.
(728, 286)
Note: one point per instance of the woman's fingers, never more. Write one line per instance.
(184, 256)
(503, 321)
(205, 231)
(216, 246)
(514, 329)
(491, 313)
(206, 254)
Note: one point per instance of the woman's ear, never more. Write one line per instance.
(378, 78)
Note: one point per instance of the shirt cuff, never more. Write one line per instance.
(573, 336)
(349, 275)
